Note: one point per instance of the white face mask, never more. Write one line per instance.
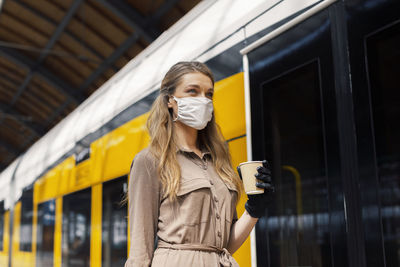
(195, 112)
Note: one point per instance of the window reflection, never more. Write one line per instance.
(45, 234)
(76, 229)
(25, 242)
(383, 71)
(297, 226)
(114, 239)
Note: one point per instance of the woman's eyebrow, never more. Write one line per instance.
(192, 85)
(198, 87)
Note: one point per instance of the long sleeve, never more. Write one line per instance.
(144, 203)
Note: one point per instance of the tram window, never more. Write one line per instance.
(1, 224)
(114, 238)
(383, 57)
(76, 229)
(45, 233)
(25, 243)
(297, 225)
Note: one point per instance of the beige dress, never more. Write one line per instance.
(194, 230)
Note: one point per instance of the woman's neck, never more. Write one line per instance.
(186, 136)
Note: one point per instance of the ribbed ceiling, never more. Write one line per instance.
(54, 54)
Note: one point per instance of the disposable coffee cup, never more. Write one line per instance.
(248, 170)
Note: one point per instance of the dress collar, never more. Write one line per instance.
(189, 151)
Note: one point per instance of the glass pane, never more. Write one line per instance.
(76, 229)
(45, 233)
(383, 66)
(114, 240)
(25, 243)
(297, 226)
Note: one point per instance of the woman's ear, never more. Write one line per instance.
(169, 100)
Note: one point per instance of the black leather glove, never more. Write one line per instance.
(256, 204)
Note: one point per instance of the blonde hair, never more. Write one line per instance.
(162, 138)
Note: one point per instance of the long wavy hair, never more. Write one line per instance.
(163, 143)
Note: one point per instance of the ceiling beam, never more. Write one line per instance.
(8, 79)
(50, 44)
(25, 145)
(164, 8)
(110, 60)
(9, 158)
(49, 119)
(7, 111)
(56, 113)
(132, 18)
(125, 45)
(2, 166)
(71, 35)
(10, 148)
(26, 63)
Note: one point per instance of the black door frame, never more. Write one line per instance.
(346, 133)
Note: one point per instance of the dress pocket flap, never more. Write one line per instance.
(192, 185)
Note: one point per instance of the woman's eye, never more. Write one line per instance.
(192, 90)
(210, 95)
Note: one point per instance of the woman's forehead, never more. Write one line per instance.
(196, 78)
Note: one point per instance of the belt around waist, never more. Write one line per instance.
(225, 258)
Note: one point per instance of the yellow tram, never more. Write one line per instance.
(303, 83)
(109, 161)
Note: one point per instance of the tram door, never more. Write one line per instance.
(295, 126)
(114, 223)
(374, 49)
(76, 229)
(45, 233)
(325, 105)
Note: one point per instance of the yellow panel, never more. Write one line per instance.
(6, 233)
(34, 235)
(238, 152)
(95, 229)
(50, 187)
(58, 233)
(20, 258)
(67, 176)
(97, 153)
(120, 147)
(6, 240)
(37, 188)
(82, 178)
(55, 182)
(229, 106)
(15, 234)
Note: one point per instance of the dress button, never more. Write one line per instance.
(217, 216)
(211, 182)
(219, 234)
(215, 199)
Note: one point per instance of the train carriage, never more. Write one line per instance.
(310, 85)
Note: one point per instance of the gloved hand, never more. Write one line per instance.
(256, 204)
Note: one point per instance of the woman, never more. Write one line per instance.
(183, 189)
